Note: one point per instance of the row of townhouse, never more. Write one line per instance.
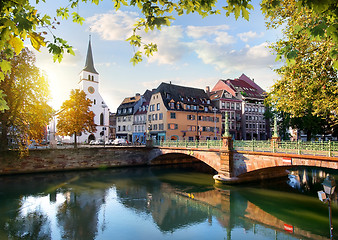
(173, 112)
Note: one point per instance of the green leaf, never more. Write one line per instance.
(36, 40)
(297, 29)
(334, 54)
(17, 44)
(245, 13)
(136, 58)
(335, 64)
(319, 30)
(77, 18)
(332, 31)
(62, 12)
(292, 54)
(3, 104)
(5, 66)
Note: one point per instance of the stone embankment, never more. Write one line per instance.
(47, 160)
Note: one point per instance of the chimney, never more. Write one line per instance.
(137, 94)
(207, 89)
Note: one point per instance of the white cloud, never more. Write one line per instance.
(224, 38)
(210, 43)
(229, 60)
(114, 25)
(199, 32)
(117, 26)
(259, 51)
(170, 46)
(245, 37)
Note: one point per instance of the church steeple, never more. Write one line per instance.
(89, 66)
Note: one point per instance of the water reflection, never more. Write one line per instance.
(309, 180)
(154, 203)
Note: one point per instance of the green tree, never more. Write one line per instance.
(309, 20)
(309, 85)
(26, 92)
(311, 125)
(75, 116)
(20, 20)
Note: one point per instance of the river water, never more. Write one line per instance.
(162, 203)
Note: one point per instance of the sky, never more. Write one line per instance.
(193, 51)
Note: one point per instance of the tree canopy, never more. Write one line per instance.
(75, 116)
(309, 83)
(26, 92)
(20, 20)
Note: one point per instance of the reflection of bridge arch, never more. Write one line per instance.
(207, 156)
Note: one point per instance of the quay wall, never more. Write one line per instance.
(47, 160)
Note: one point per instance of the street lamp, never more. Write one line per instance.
(215, 109)
(104, 128)
(329, 186)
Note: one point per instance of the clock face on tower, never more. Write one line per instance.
(91, 90)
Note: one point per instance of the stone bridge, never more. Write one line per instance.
(243, 166)
(232, 166)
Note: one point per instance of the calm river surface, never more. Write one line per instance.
(161, 203)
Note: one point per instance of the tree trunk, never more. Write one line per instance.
(75, 140)
(3, 139)
(308, 135)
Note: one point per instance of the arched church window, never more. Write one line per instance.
(94, 101)
(101, 119)
(88, 77)
(92, 78)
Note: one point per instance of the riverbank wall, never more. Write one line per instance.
(51, 160)
(48, 160)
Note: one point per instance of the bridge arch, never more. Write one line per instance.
(211, 158)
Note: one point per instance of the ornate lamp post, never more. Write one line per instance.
(226, 126)
(104, 128)
(215, 109)
(329, 186)
(275, 129)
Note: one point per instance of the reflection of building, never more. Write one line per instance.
(78, 215)
(182, 113)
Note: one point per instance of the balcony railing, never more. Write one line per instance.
(320, 148)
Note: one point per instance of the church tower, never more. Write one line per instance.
(89, 83)
(89, 77)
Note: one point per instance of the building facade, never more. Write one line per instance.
(125, 116)
(182, 113)
(140, 124)
(112, 126)
(225, 102)
(89, 83)
(243, 99)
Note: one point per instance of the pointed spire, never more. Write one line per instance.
(89, 66)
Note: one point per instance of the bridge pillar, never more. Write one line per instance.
(226, 159)
(274, 143)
